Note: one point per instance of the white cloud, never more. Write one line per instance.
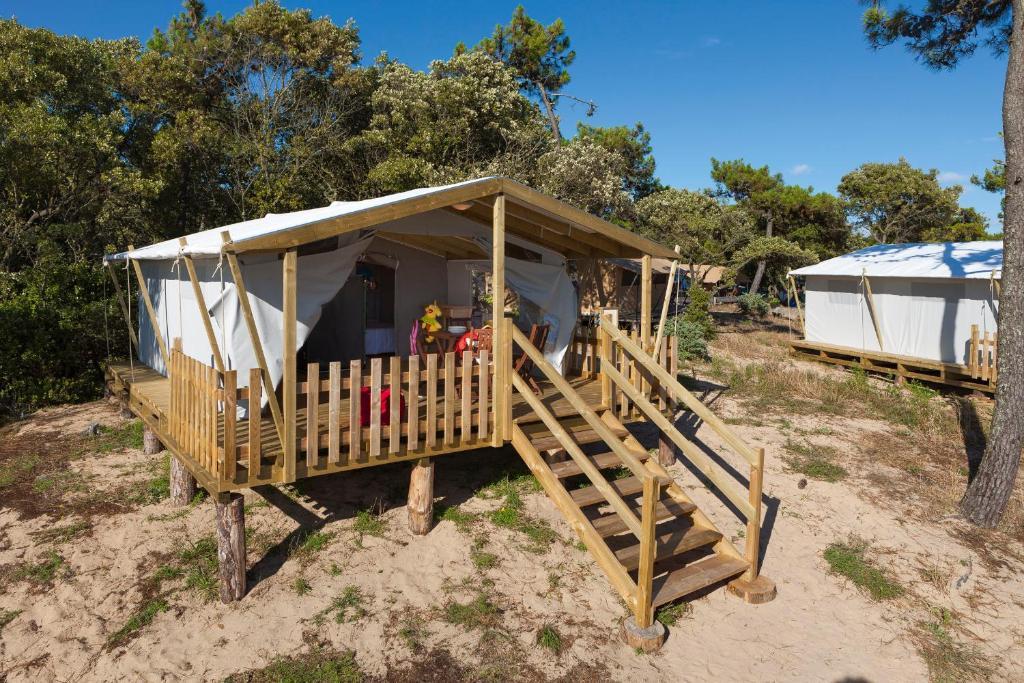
(800, 169)
(951, 177)
(712, 41)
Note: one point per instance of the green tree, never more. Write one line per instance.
(967, 225)
(539, 55)
(941, 34)
(634, 146)
(897, 202)
(994, 180)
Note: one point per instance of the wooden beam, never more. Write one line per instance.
(871, 308)
(646, 296)
(527, 231)
(254, 338)
(289, 310)
(548, 223)
(124, 307)
(799, 307)
(151, 312)
(204, 313)
(665, 304)
(502, 364)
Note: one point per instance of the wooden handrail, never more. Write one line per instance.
(573, 449)
(679, 392)
(695, 455)
(578, 404)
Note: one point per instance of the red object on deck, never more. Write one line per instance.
(385, 406)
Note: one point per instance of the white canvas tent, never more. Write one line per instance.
(923, 297)
(435, 232)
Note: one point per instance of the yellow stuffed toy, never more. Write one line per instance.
(431, 321)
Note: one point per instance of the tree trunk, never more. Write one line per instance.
(759, 273)
(182, 484)
(421, 496)
(989, 492)
(550, 108)
(231, 546)
(150, 443)
(666, 451)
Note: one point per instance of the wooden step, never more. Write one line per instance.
(582, 434)
(601, 461)
(592, 496)
(681, 582)
(670, 544)
(611, 524)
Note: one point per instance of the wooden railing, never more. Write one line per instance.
(616, 345)
(982, 356)
(637, 593)
(447, 401)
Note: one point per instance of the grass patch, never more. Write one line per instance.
(136, 623)
(315, 667)
(511, 514)
(305, 547)
(948, 660)
(7, 616)
(813, 461)
(60, 535)
(198, 565)
(671, 614)
(17, 469)
(301, 586)
(463, 521)
(548, 638)
(482, 559)
(849, 559)
(347, 607)
(369, 524)
(479, 612)
(413, 632)
(111, 439)
(41, 573)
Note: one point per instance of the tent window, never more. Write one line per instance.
(521, 253)
(951, 292)
(840, 291)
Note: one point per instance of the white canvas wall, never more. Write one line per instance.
(924, 318)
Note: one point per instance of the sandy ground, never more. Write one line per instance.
(820, 628)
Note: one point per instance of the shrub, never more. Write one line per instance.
(698, 311)
(753, 304)
(691, 338)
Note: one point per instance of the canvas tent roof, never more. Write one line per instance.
(944, 260)
(712, 274)
(528, 213)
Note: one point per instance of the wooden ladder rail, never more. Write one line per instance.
(747, 502)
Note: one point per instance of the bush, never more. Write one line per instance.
(698, 311)
(753, 304)
(691, 338)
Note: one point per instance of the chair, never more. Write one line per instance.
(524, 365)
(418, 343)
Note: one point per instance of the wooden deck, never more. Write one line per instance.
(149, 395)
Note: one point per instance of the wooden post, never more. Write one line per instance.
(799, 307)
(502, 363)
(182, 483)
(421, 496)
(231, 545)
(150, 442)
(204, 313)
(144, 291)
(642, 631)
(288, 379)
(871, 308)
(664, 305)
(607, 349)
(753, 587)
(646, 296)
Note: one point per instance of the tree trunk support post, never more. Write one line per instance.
(666, 450)
(231, 545)
(150, 442)
(421, 497)
(182, 483)
(502, 363)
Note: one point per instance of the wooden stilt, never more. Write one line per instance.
(183, 484)
(421, 497)
(231, 545)
(150, 442)
(126, 412)
(666, 451)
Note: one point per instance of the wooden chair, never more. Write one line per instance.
(523, 365)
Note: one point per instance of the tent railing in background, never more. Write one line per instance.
(982, 355)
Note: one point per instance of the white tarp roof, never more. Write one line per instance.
(209, 242)
(945, 260)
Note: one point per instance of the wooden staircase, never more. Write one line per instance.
(645, 533)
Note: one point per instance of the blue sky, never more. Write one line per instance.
(789, 84)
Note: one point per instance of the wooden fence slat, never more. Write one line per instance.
(355, 380)
(312, 414)
(431, 400)
(255, 424)
(230, 423)
(483, 400)
(212, 419)
(395, 407)
(414, 402)
(334, 414)
(466, 423)
(375, 368)
(663, 362)
(449, 398)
